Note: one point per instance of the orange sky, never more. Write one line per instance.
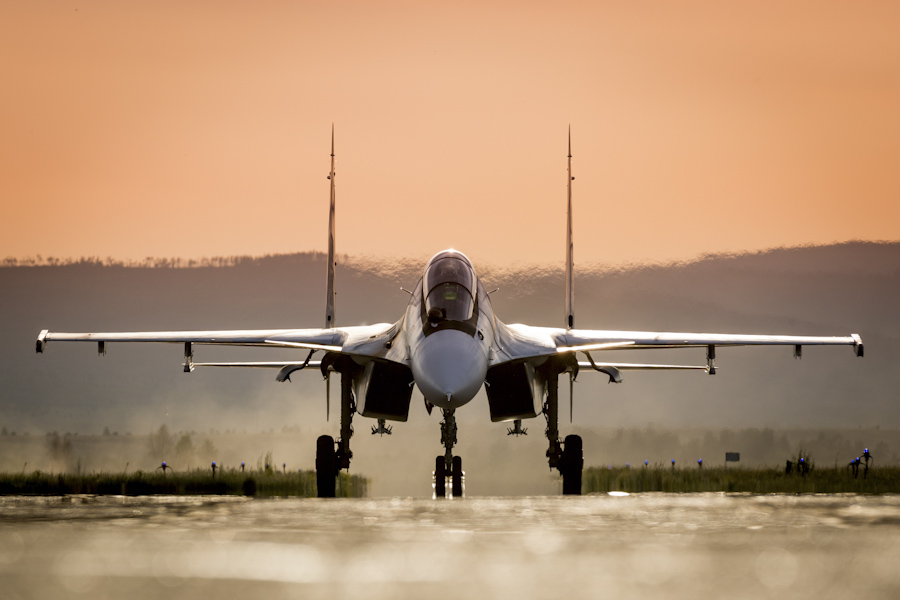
(202, 128)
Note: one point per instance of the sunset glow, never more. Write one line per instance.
(203, 128)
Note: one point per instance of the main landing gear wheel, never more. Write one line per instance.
(571, 465)
(457, 477)
(325, 466)
(440, 477)
(330, 460)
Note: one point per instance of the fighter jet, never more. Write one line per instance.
(449, 344)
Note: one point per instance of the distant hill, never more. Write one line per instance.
(823, 290)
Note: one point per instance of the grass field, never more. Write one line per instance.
(885, 480)
(260, 484)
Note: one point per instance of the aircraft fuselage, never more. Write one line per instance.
(450, 328)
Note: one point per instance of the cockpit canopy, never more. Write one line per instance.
(448, 284)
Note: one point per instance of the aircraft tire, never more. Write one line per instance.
(325, 471)
(440, 478)
(571, 465)
(456, 477)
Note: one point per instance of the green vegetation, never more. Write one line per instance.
(188, 483)
(882, 480)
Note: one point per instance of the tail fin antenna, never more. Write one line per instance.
(329, 283)
(570, 257)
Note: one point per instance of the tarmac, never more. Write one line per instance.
(602, 546)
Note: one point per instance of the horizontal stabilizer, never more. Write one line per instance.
(613, 369)
(260, 365)
(639, 367)
(284, 374)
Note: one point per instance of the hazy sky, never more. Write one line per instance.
(202, 128)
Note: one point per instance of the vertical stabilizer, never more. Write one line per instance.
(329, 283)
(570, 257)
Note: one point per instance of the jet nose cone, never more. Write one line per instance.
(449, 367)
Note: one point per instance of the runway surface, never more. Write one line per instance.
(638, 546)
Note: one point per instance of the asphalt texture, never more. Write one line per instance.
(622, 547)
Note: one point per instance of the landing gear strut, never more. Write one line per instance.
(448, 464)
(330, 460)
(567, 457)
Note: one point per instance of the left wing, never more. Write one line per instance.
(516, 342)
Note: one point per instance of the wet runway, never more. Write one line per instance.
(639, 546)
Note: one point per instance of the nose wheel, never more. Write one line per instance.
(453, 479)
(448, 467)
(440, 477)
(457, 477)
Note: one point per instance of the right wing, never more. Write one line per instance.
(366, 341)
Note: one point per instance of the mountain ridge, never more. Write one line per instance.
(831, 290)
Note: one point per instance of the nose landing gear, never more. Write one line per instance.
(448, 466)
(455, 477)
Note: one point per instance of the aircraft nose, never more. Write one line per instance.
(449, 367)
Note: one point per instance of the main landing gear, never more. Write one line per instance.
(566, 456)
(448, 466)
(331, 457)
